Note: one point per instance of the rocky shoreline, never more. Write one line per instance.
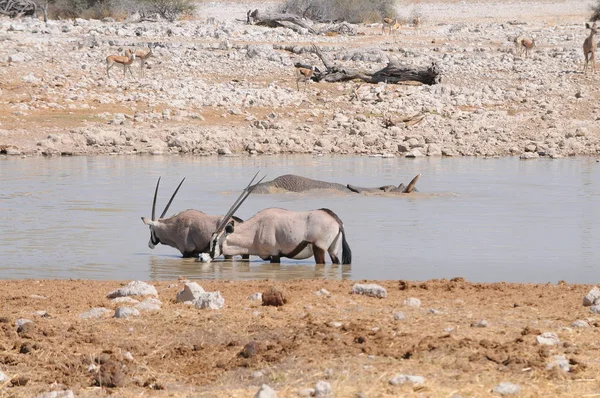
(227, 88)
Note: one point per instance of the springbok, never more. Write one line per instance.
(274, 233)
(388, 23)
(126, 61)
(528, 45)
(189, 231)
(143, 56)
(518, 46)
(305, 74)
(589, 47)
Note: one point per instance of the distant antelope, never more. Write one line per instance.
(304, 74)
(126, 61)
(274, 233)
(189, 231)
(589, 47)
(528, 45)
(388, 23)
(518, 46)
(416, 21)
(143, 56)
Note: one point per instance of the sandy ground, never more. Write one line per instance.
(184, 351)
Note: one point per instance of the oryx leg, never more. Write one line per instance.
(334, 249)
(275, 259)
(319, 255)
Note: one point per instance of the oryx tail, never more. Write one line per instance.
(346, 252)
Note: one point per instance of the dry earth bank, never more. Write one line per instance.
(228, 88)
(464, 339)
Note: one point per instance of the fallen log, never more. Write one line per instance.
(393, 73)
(275, 20)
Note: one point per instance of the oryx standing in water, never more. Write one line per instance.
(189, 231)
(274, 233)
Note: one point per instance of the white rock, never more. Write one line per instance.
(210, 300)
(57, 394)
(480, 324)
(126, 312)
(322, 389)
(22, 321)
(191, 291)
(335, 324)
(595, 309)
(150, 304)
(415, 153)
(3, 377)
(307, 392)
(548, 338)
(580, 324)
(412, 302)
(371, 290)
(134, 288)
(399, 316)
(266, 392)
(561, 362)
(95, 313)
(506, 388)
(124, 300)
(255, 297)
(322, 292)
(402, 378)
(592, 297)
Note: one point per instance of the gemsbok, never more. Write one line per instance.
(275, 233)
(126, 61)
(589, 47)
(189, 231)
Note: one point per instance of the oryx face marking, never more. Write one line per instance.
(154, 240)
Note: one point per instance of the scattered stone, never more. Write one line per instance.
(134, 288)
(95, 313)
(19, 381)
(335, 324)
(210, 300)
(480, 324)
(191, 291)
(548, 338)
(38, 297)
(399, 316)
(592, 297)
(415, 153)
(580, 324)
(3, 377)
(307, 392)
(149, 304)
(402, 379)
(57, 394)
(126, 312)
(128, 356)
(371, 290)
(412, 302)
(506, 388)
(22, 321)
(257, 375)
(561, 362)
(322, 292)
(434, 311)
(124, 300)
(274, 297)
(255, 297)
(595, 309)
(322, 389)
(265, 392)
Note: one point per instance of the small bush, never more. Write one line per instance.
(352, 11)
(168, 9)
(595, 12)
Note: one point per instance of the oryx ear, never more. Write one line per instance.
(147, 221)
(229, 228)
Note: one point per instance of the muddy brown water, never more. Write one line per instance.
(482, 219)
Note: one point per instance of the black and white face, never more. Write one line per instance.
(217, 239)
(153, 238)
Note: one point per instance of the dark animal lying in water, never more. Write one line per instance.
(294, 183)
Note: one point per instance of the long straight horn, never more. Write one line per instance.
(236, 205)
(412, 184)
(154, 201)
(171, 200)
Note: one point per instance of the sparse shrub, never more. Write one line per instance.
(353, 11)
(595, 12)
(120, 9)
